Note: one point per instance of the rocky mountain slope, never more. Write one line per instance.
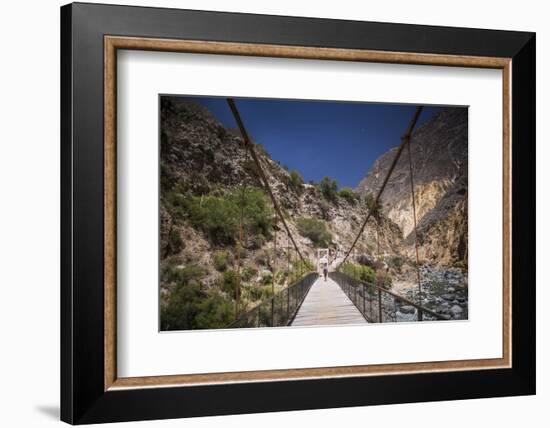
(439, 153)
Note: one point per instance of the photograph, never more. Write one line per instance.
(295, 213)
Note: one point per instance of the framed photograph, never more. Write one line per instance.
(266, 213)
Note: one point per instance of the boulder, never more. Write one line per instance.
(407, 309)
(456, 310)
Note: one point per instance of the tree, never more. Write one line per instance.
(296, 182)
(328, 188)
(348, 194)
(182, 305)
(359, 272)
(316, 230)
(221, 260)
(189, 306)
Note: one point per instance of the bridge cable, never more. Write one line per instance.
(263, 176)
(414, 220)
(404, 140)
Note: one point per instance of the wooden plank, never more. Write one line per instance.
(327, 304)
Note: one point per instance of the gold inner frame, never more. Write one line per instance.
(113, 43)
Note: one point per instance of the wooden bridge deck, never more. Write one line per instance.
(326, 304)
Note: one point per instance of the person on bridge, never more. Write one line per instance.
(325, 272)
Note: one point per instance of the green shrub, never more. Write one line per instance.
(258, 214)
(348, 194)
(221, 260)
(296, 182)
(258, 241)
(328, 188)
(216, 216)
(359, 272)
(299, 268)
(316, 230)
(248, 273)
(200, 184)
(182, 305)
(175, 243)
(397, 263)
(254, 293)
(176, 205)
(189, 307)
(324, 207)
(215, 312)
(239, 252)
(280, 276)
(219, 214)
(267, 278)
(258, 292)
(230, 282)
(303, 266)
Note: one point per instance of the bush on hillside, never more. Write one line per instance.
(258, 292)
(397, 262)
(348, 194)
(296, 182)
(328, 188)
(248, 273)
(182, 307)
(257, 212)
(188, 306)
(221, 260)
(175, 243)
(324, 208)
(359, 272)
(215, 312)
(218, 214)
(315, 230)
(230, 282)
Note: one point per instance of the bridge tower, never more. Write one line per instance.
(322, 259)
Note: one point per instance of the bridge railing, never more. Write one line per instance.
(280, 309)
(380, 305)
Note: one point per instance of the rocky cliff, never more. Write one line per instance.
(439, 154)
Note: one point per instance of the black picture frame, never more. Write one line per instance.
(83, 399)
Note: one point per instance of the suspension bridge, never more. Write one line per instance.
(326, 295)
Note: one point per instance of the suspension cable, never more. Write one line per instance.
(263, 177)
(414, 220)
(404, 139)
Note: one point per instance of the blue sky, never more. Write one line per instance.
(321, 138)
